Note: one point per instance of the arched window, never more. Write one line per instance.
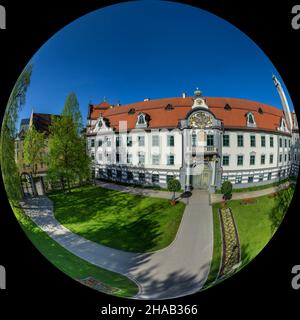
(250, 120)
(141, 121)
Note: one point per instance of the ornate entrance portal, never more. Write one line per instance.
(202, 180)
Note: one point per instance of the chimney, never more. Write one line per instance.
(183, 95)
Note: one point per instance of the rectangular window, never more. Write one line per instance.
(238, 179)
(210, 140)
(250, 179)
(118, 140)
(117, 157)
(194, 140)
(129, 141)
(252, 160)
(224, 178)
(252, 141)
(271, 142)
(225, 160)
(155, 178)
(141, 141)
(99, 143)
(240, 140)
(285, 157)
(280, 158)
(100, 156)
(119, 174)
(155, 159)
(285, 143)
(271, 158)
(170, 160)
(261, 177)
(289, 157)
(226, 140)
(269, 175)
(169, 177)
(129, 176)
(155, 141)
(142, 177)
(141, 159)
(92, 143)
(262, 159)
(240, 160)
(280, 142)
(108, 157)
(263, 141)
(129, 158)
(108, 141)
(170, 141)
(92, 156)
(289, 143)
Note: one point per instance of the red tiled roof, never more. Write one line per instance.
(267, 120)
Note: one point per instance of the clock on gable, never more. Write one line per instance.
(200, 120)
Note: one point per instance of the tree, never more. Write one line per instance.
(226, 189)
(34, 144)
(8, 134)
(174, 186)
(67, 158)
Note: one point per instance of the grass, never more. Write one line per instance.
(256, 221)
(255, 188)
(136, 185)
(70, 264)
(119, 220)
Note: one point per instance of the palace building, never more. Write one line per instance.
(202, 141)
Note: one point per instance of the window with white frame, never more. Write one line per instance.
(155, 141)
(141, 156)
(170, 160)
(129, 158)
(238, 179)
(225, 161)
(141, 141)
(155, 159)
(170, 141)
(250, 120)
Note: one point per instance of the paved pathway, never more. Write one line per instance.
(216, 197)
(180, 269)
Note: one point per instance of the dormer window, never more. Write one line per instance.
(141, 121)
(227, 107)
(260, 110)
(131, 111)
(169, 107)
(100, 124)
(283, 126)
(250, 120)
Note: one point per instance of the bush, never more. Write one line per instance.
(226, 188)
(173, 186)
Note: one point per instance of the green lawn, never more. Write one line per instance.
(71, 264)
(117, 219)
(256, 223)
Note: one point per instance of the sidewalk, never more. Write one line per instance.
(216, 197)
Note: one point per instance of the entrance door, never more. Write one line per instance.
(202, 180)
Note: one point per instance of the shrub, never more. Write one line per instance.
(174, 186)
(226, 188)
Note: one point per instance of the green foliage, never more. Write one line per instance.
(8, 134)
(67, 157)
(174, 186)
(226, 188)
(34, 144)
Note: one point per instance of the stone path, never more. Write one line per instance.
(178, 270)
(215, 197)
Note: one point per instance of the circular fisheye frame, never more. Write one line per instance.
(149, 150)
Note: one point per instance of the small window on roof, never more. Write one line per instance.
(227, 107)
(131, 111)
(250, 120)
(169, 107)
(260, 110)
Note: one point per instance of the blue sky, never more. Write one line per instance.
(147, 49)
